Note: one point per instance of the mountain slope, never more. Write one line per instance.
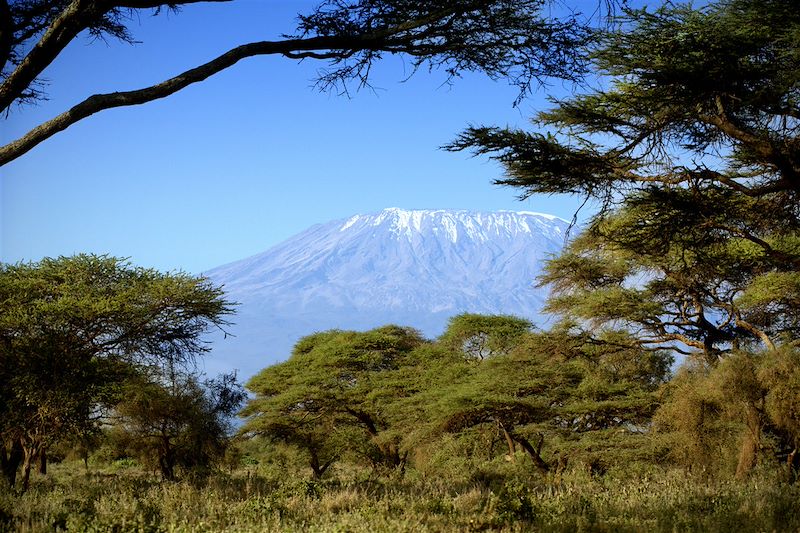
(415, 268)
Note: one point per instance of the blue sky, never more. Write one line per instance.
(229, 167)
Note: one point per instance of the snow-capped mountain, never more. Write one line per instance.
(416, 268)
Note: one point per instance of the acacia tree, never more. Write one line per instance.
(73, 329)
(176, 419)
(503, 38)
(681, 282)
(335, 393)
(702, 100)
(696, 141)
(554, 394)
(692, 147)
(677, 278)
(482, 336)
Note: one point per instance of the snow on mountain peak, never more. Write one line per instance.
(410, 267)
(477, 226)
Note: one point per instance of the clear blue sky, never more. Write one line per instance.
(229, 167)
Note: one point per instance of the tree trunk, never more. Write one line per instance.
(391, 454)
(166, 461)
(793, 464)
(27, 462)
(43, 461)
(317, 468)
(10, 459)
(751, 443)
(792, 460)
(533, 452)
(30, 452)
(512, 448)
(403, 462)
(167, 468)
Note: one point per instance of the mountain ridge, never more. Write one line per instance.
(411, 267)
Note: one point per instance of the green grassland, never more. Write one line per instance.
(275, 495)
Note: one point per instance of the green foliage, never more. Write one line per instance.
(693, 418)
(547, 394)
(176, 422)
(692, 148)
(746, 405)
(682, 282)
(773, 298)
(695, 97)
(386, 394)
(482, 336)
(779, 374)
(73, 329)
(335, 395)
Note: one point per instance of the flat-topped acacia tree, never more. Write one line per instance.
(553, 395)
(74, 329)
(336, 394)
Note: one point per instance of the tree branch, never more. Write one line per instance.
(760, 144)
(100, 102)
(762, 336)
(80, 13)
(76, 17)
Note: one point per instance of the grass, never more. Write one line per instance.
(123, 498)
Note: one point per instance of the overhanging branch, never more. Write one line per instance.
(101, 102)
(77, 16)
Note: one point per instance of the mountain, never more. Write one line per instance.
(410, 267)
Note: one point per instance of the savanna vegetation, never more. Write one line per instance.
(384, 430)
(666, 396)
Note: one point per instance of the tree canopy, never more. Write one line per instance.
(679, 280)
(482, 336)
(334, 394)
(74, 329)
(555, 394)
(693, 148)
(690, 142)
(690, 97)
(544, 392)
(176, 420)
